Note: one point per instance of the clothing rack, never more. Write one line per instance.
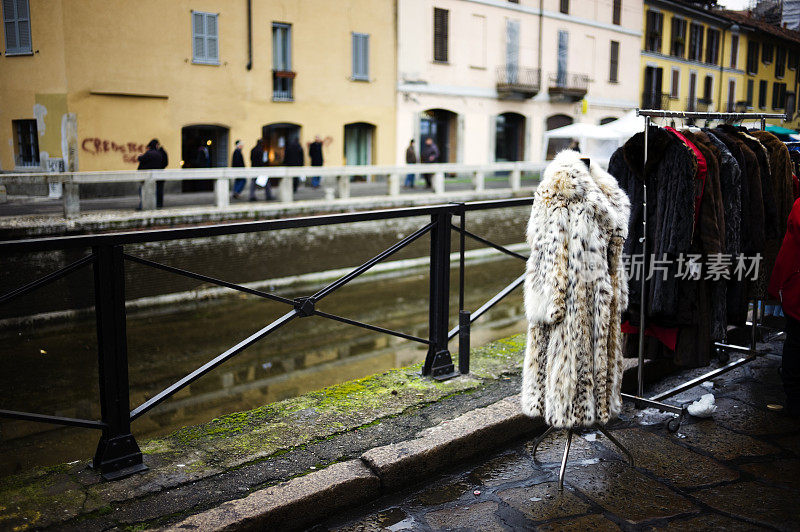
(656, 401)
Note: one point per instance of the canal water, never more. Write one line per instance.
(49, 354)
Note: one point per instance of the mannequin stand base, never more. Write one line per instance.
(563, 469)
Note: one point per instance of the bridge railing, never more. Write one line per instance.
(335, 179)
(118, 453)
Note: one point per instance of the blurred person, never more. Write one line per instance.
(784, 285)
(203, 157)
(151, 159)
(160, 182)
(315, 156)
(293, 156)
(430, 154)
(258, 157)
(411, 158)
(237, 161)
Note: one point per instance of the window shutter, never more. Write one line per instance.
(198, 35)
(23, 26)
(617, 10)
(613, 74)
(365, 56)
(360, 56)
(212, 52)
(440, 34)
(17, 26)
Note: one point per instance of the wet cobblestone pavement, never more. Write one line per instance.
(739, 470)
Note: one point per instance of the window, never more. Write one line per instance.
(695, 42)
(675, 84)
(678, 40)
(749, 98)
(708, 85)
(440, 23)
(204, 37)
(712, 46)
(26, 143)
(780, 62)
(778, 95)
(282, 74)
(17, 21)
(752, 57)
(561, 58)
(361, 56)
(734, 50)
(613, 74)
(792, 60)
(766, 53)
(731, 95)
(616, 13)
(655, 23)
(762, 94)
(564, 7)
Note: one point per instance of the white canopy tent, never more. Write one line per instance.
(598, 142)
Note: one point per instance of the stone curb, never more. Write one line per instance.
(306, 499)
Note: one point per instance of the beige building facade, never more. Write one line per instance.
(486, 78)
(105, 77)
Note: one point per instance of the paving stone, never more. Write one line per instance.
(671, 461)
(790, 443)
(755, 501)
(708, 523)
(501, 470)
(625, 492)
(392, 518)
(722, 443)
(479, 516)
(742, 417)
(551, 449)
(543, 502)
(595, 522)
(782, 472)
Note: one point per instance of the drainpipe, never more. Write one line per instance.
(541, 14)
(249, 35)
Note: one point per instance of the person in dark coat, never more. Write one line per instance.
(151, 160)
(430, 154)
(257, 158)
(203, 159)
(411, 158)
(293, 156)
(315, 157)
(237, 161)
(160, 182)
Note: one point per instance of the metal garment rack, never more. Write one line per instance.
(656, 400)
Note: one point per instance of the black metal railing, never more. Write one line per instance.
(568, 81)
(656, 100)
(118, 455)
(515, 80)
(700, 105)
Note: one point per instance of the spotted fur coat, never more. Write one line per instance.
(574, 295)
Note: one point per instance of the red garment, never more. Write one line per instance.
(702, 170)
(666, 335)
(784, 284)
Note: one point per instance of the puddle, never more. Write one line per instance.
(441, 494)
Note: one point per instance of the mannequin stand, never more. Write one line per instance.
(563, 469)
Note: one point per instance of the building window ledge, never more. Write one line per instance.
(207, 63)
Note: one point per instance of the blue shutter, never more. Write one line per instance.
(212, 51)
(198, 37)
(360, 56)
(563, 39)
(17, 26)
(205, 39)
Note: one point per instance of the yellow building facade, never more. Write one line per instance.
(694, 59)
(108, 76)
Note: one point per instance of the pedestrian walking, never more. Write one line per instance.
(411, 158)
(258, 158)
(430, 154)
(203, 157)
(293, 156)
(151, 160)
(315, 156)
(160, 182)
(784, 286)
(237, 161)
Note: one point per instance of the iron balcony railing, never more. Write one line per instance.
(700, 105)
(118, 454)
(567, 84)
(656, 100)
(520, 82)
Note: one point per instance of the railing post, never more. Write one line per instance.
(463, 341)
(329, 187)
(438, 362)
(343, 186)
(394, 184)
(222, 193)
(286, 190)
(118, 454)
(438, 183)
(148, 193)
(72, 200)
(479, 181)
(516, 179)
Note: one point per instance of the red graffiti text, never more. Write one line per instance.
(129, 150)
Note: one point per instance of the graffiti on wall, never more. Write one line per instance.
(130, 151)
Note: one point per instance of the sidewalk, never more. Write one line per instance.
(737, 471)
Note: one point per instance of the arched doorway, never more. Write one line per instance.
(203, 146)
(556, 145)
(440, 125)
(359, 138)
(509, 137)
(276, 137)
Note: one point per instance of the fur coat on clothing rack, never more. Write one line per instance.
(575, 291)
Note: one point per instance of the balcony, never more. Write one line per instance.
(656, 100)
(283, 85)
(736, 107)
(567, 86)
(698, 105)
(517, 83)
